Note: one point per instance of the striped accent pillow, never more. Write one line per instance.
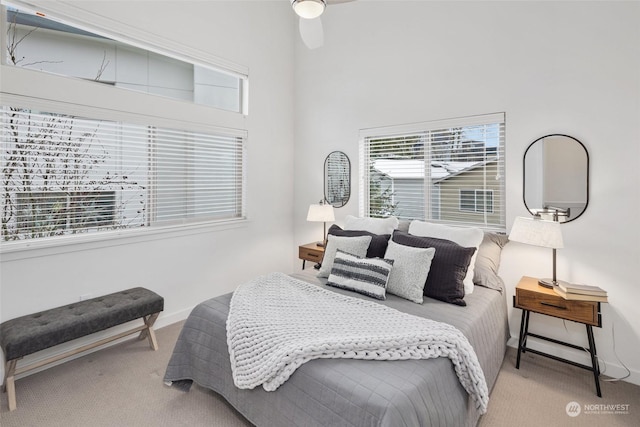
(368, 276)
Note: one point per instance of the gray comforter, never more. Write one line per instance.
(344, 392)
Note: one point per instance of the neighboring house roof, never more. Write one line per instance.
(400, 168)
(414, 169)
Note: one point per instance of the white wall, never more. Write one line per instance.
(189, 268)
(553, 67)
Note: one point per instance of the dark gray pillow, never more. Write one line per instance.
(488, 261)
(448, 267)
(377, 247)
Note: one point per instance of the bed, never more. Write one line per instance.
(347, 392)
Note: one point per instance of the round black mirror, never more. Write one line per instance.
(556, 177)
(337, 179)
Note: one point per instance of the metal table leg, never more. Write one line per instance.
(594, 359)
(524, 324)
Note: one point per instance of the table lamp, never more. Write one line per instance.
(539, 232)
(322, 212)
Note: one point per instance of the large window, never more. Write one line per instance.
(68, 175)
(449, 171)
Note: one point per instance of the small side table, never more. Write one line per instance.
(531, 297)
(310, 252)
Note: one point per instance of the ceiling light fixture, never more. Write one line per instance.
(308, 9)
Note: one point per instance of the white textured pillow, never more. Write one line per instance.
(410, 270)
(468, 237)
(352, 245)
(372, 225)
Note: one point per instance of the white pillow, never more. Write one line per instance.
(372, 225)
(467, 237)
(356, 246)
(410, 270)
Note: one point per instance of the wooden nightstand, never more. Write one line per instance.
(531, 297)
(310, 252)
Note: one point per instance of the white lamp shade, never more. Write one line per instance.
(537, 232)
(321, 213)
(308, 9)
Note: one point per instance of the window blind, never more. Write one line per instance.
(449, 171)
(63, 174)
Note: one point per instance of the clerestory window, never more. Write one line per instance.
(37, 41)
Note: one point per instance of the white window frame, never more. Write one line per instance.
(475, 191)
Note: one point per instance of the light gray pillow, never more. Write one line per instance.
(488, 261)
(403, 225)
(410, 270)
(352, 245)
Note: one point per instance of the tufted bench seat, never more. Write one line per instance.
(25, 335)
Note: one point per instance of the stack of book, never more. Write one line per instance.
(570, 291)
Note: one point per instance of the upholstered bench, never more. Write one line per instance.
(25, 335)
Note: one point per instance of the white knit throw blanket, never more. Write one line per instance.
(276, 323)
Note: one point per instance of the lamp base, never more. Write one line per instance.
(320, 244)
(550, 283)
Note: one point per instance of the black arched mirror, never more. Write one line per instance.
(556, 177)
(337, 179)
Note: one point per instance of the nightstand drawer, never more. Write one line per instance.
(586, 312)
(310, 254)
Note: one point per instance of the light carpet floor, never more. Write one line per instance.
(122, 386)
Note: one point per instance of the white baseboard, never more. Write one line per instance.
(170, 319)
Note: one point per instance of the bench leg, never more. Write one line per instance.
(10, 384)
(148, 332)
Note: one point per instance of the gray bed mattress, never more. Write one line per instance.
(344, 392)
